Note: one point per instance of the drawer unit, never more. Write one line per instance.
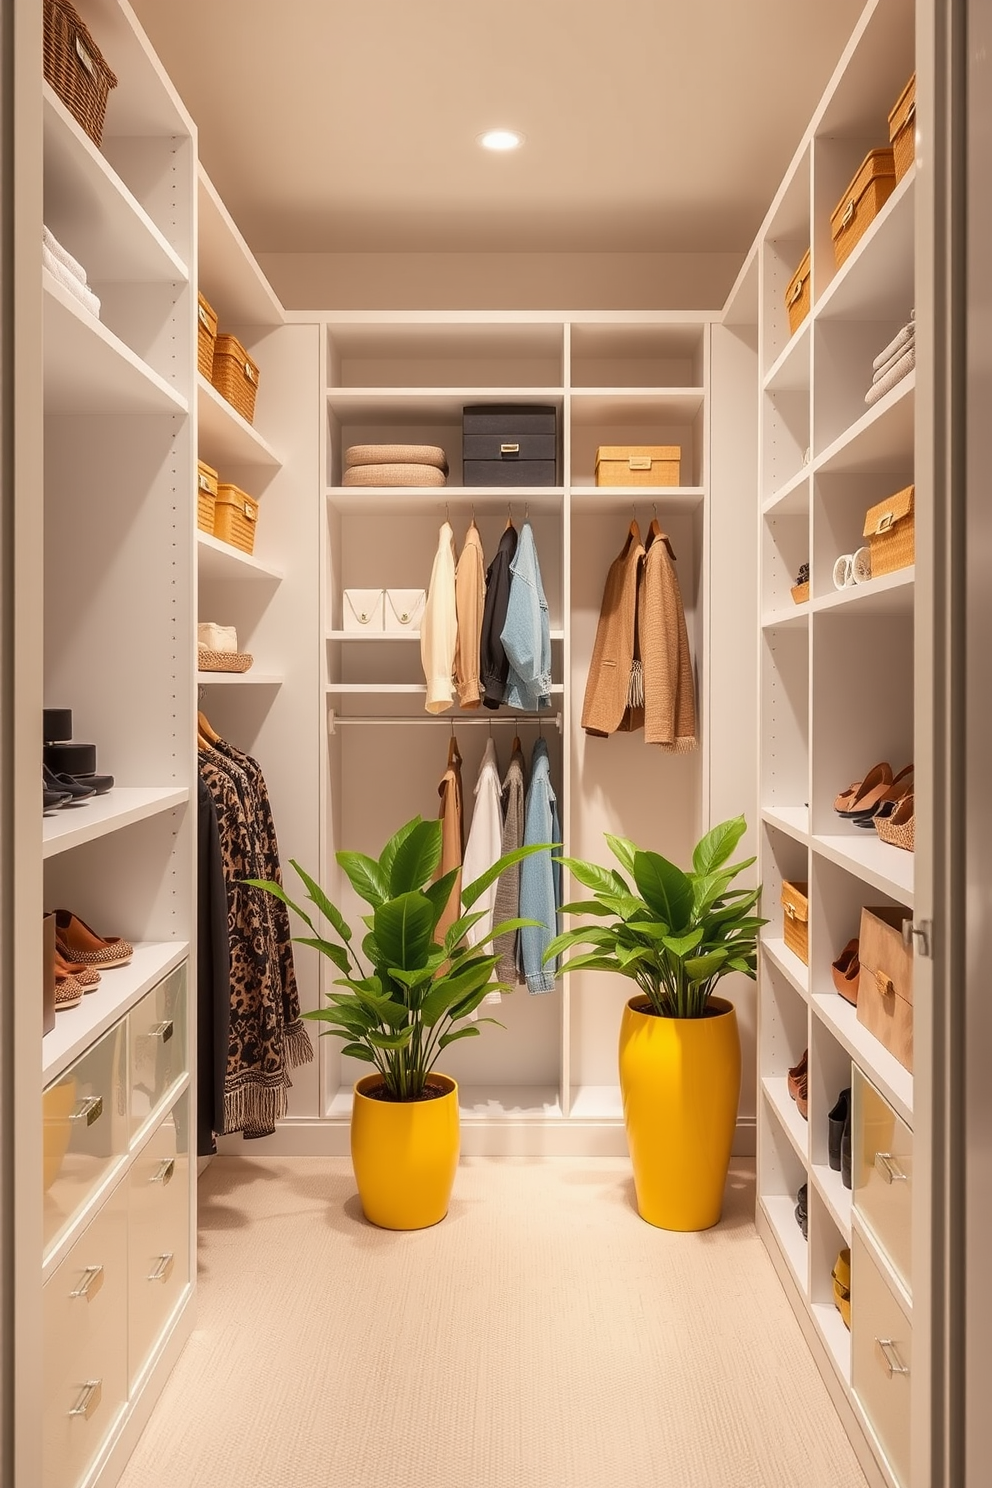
(881, 1357)
(85, 1345)
(158, 1247)
(509, 444)
(85, 1130)
(882, 1172)
(157, 1045)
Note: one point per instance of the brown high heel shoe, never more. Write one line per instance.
(87, 978)
(75, 941)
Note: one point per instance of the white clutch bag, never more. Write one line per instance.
(404, 611)
(363, 610)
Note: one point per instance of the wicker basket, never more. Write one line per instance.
(862, 202)
(206, 496)
(222, 661)
(206, 335)
(890, 528)
(797, 296)
(235, 375)
(638, 464)
(800, 592)
(902, 129)
(795, 918)
(75, 68)
(235, 515)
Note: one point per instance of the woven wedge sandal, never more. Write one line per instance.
(75, 941)
(899, 829)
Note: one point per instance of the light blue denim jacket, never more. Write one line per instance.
(526, 634)
(540, 877)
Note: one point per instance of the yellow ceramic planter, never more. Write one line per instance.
(680, 1079)
(405, 1154)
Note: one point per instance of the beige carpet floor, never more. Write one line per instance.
(543, 1336)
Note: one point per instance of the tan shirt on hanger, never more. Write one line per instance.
(470, 594)
(452, 837)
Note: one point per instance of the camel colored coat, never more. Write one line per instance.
(669, 688)
(606, 708)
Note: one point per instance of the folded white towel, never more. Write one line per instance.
(895, 345)
(68, 281)
(902, 369)
(63, 255)
(886, 367)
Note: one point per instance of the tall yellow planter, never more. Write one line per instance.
(680, 1079)
(405, 1154)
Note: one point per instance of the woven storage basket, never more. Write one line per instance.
(797, 296)
(222, 661)
(206, 496)
(862, 202)
(235, 516)
(75, 67)
(890, 528)
(795, 918)
(235, 375)
(902, 129)
(206, 335)
(393, 475)
(800, 592)
(396, 454)
(638, 464)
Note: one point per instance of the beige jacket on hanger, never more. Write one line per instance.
(439, 627)
(470, 594)
(613, 684)
(669, 687)
(452, 837)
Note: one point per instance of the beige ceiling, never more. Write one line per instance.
(350, 125)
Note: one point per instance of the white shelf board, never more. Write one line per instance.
(606, 500)
(891, 594)
(226, 269)
(895, 1083)
(791, 819)
(776, 1092)
(90, 370)
(868, 286)
(636, 406)
(401, 500)
(836, 1336)
(112, 235)
(225, 438)
(76, 1029)
(790, 370)
(780, 1211)
(482, 1102)
(72, 826)
(788, 963)
(220, 560)
(879, 1255)
(794, 618)
(398, 406)
(239, 679)
(383, 638)
(882, 439)
(863, 853)
(396, 689)
(596, 1103)
(837, 1198)
(790, 498)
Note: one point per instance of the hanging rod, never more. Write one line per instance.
(445, 720)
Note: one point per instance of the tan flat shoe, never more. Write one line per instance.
(869, 793)
(87, 978)
(68, 993)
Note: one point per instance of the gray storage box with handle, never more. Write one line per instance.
(509, 444)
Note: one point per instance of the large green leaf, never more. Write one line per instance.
(701, 968)
(451, 991)
(416, 858)
(390, 1040)
(365, 877)
(713, 850)
(665, 888)
(627, 907)
(359, 1051)
(649, 929)
(584, 935)
(682, 945)
(411, 979)
(388, 855)
(278, 892)
(317, 896)
(327, 948)
(591, 876)
(590, 961)
(473, 891)
(404, 927)
(506, 927)
(439, 893)
(588, 907)
(472, 1031)
(622, 849)
(457, 931)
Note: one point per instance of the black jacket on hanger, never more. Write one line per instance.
(494, 665)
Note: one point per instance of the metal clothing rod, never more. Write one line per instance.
(504, 720)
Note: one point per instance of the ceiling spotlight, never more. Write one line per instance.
(501, 139)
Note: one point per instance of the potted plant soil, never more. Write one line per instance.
(399, 1002)
(676, 935)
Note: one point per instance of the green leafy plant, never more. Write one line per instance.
(675, 934)
(406, 997)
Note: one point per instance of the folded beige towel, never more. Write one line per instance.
(902, 368)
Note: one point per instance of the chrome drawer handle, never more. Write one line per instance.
(889, 1168)
(164, 1031)
(163, 1269)
(889, 1358)
(164, 1175)
(92, 1281)
(89, 1109)
(88, 1400)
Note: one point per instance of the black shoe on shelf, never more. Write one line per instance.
(67, 785)
(802, 1219)
(835, 1129)
(98, 784)
(845, 1149)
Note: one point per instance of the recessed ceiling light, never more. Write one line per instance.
(500, 139)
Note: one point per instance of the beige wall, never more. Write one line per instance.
(501, 281)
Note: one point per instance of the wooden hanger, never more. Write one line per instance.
(204, 729)
(516, 747)
(655, 534)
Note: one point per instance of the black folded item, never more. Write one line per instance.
(802, 1217)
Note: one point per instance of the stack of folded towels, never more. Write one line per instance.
(894, 363)
(70, 274)
(395, 465)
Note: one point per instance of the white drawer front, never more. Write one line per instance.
(85, 1345)
(882, 1154)
(85, 1130)
(157, 1039)
(881, 1357)
(158, 1209)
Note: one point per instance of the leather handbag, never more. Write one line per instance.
(404, 611)
(363, 610)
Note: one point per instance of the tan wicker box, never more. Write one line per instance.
(797, 296)
(862, 201)
(890, 528)
(75, 67)
(800, 593)
(206, 496)
(206, 335)
(235, 375)
(885, 992)
(235, 516)
(638, 464)
(795, 918)
(902, 129)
